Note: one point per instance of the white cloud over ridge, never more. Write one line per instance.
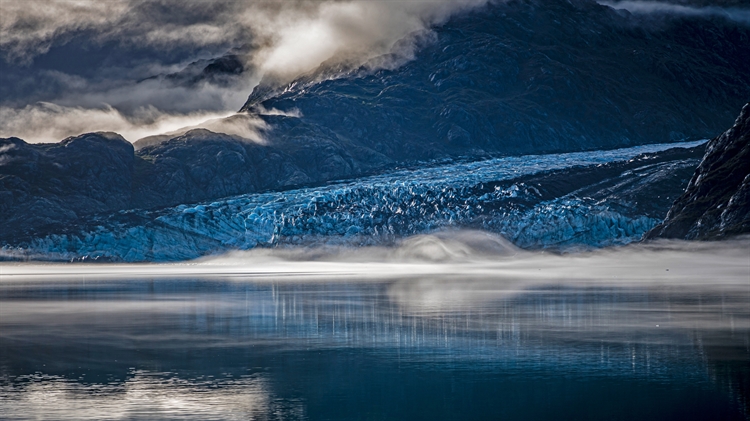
(280, 39)
(47, 123)
(735, 14)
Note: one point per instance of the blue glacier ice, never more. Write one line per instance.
(380, 209)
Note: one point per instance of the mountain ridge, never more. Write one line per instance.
(530, 77)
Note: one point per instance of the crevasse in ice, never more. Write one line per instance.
(371, 210)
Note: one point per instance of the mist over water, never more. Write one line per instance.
(461, 317)
(450, 251)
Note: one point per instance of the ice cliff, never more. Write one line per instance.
(607, 197)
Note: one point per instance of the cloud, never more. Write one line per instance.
(279, 40)
(246, 126)
(29, 28)
(734, 14)
(46, 122)
(353, 31)
(286, 36)
(130, 97)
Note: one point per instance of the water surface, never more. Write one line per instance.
(440, 328)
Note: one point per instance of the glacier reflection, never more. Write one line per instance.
(288, 331)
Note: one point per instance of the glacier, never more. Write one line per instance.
(495, 195)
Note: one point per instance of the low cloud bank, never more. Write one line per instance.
(455, 256)
(734, 14)
(47, 123)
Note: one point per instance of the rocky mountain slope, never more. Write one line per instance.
(528, 76)
(716, 203)
(44, 185)
(48, 184)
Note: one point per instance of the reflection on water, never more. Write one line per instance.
(140, 395)
(608, 335)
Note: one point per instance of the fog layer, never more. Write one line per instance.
(462, 255)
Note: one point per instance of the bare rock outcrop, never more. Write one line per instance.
(716, 203)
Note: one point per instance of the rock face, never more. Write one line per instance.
(530, 77)
(203, 165)
(716, 203)
(52, 183)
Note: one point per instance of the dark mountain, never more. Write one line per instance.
(512, 78)
(716, 203)
(203, 165)
(54, 183)
(43, 185)
(526, 77)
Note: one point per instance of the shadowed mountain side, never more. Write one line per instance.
(716, 203)
(44, 185)
(530, 77)
(645, 185)
(202, 165)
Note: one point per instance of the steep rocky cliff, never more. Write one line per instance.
(716, 203)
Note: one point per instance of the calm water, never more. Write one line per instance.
(601, 336)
